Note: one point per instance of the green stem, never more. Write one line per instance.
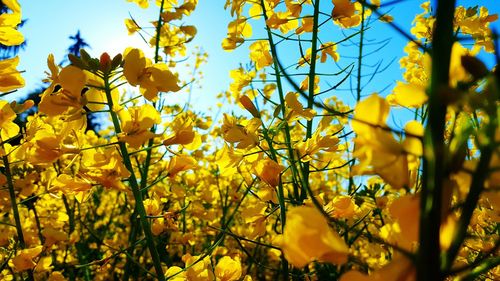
(360, 54)
(281, 199)
(358, 86)
(311, 77)
(12, 195)
(482, 268)
(476, 188)
(15, 210)
(279, 86)
(139, 205)
(145, 170)
(434, 170)
(158, 30)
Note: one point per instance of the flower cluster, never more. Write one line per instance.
(292, 183)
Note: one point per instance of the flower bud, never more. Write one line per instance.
(474, 66)
(248, 105)
(105, 62)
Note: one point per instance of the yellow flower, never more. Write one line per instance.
(180, 275)
(254, 212)
(200, 271)
(304, 85)
(447, 231)
(131, 26)
(56, 276)
(413, 93)
(305, 60)
(141, 3)
(9, 35)
(237, 30)
(294, 7)
(477, 25)
(24, 259)
(307, 26)
(347, 14)
(308, 148)
(329, 49)
(8, 128)
(231, 43)
(404, 232)
(406, 212)
(183, 133)
(260, 55)
(284, 21)
(457, 71)
(105, 167)
(307, 237)
(268, 171)
(246, 136)
(241, 79)
(228, 269)
(139, 70)
(408, 95)
(10, 78)
(53, 236)
(13, 5)
(71, 185)
(228, 159)
(375, 145)
(68, 97)
(45, 147)
(296, 108)
(342, 207)
(399, 269)
(342, 8)
(255, 218)
(412, 144)
(180, 163)
(136, 123)
(153, 206)
(44, 264)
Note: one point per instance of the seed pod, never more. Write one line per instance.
(248, 105)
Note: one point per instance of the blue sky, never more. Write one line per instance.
(102, 25)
